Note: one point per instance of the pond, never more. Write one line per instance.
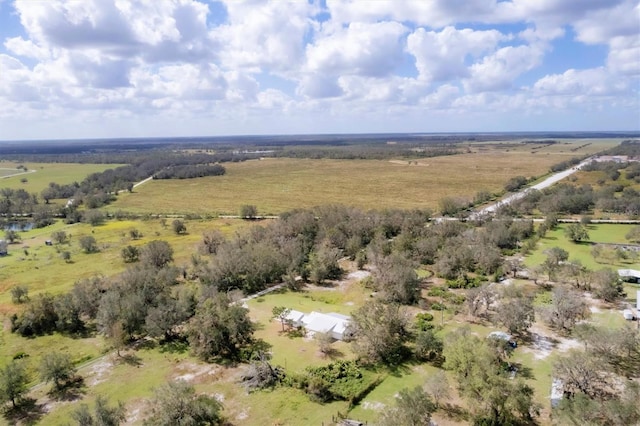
(18, 226)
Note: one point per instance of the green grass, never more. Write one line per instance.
(61, 173)
(600, 233)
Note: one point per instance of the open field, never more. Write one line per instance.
(45, 173)
(41, 267)
(277, 185)
(600, 233)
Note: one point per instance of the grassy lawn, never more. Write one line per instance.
(600, 233)
(282, 184)
(45, 173)
(41, 267)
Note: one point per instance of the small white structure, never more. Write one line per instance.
(316, 322)
(628, 315)
(557, 392)
(294, 318)
(629, 274)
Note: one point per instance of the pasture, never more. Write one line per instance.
(276, 185)
(45, 173)
(598, 233)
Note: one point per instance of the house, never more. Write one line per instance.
(316, 322)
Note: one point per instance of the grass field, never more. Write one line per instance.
(598, 233)
(277, 185)
(46, 173)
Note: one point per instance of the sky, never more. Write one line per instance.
(151, 68)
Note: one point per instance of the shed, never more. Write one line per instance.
(628, 315)
(629, 275)
(557, 392)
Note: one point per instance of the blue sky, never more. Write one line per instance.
(115, 68)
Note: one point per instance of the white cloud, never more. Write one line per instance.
(351, 61)
(499, 70)
(442, 55)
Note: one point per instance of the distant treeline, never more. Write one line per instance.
(628, 147)
(363, 152)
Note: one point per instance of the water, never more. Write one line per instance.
(18, 226)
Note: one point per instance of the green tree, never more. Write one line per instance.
(516, 313)
(11, 236)
(57, 368)
(19, 293)
(379, 332)
(176, 404)
(179, 227)
(412, 408)
(156, 254)
(59, 237)
(248, 211)
(13, 382)
(219, 329)
(576, 232)
(88, 244)
(281, 313)
(607, 285)
(130, 254)
(103, 414)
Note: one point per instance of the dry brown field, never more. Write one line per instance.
(281, 184)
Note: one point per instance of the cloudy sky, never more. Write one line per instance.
(134, 68)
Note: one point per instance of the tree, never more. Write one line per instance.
(576, 232)
(567, 307)
(395, 277)
(484, 382)
(19, 293)
(135, 234)
(156, 254)
(248, 211)
(66, 256)
(437, 385)
(219, 329)
(130, 254)
(633, 235)
(59, 237)
(179, 227)
(413, 408)
(516, 313)
(11, 236)
(323, 263)
(88, 244)
(427, 345)
(379, 332)
(281, 313)
(176, 404)
(324, 342)
(13, 382)
(607, 285)
(57, 368)
(103, 414)
(94, 217)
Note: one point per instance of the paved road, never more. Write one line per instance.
(556, 177)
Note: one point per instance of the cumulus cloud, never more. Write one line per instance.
(212, 62)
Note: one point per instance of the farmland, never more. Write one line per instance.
(274, 186)
(282, 184)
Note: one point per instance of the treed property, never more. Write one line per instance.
(412, 297)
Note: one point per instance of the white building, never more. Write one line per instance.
(316, 322)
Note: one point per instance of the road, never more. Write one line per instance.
(551, 180)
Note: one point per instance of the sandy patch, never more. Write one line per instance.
(98, 372)
(358, 275)
(192, 372)
(376, 406)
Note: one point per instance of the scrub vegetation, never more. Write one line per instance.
(140, 304)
